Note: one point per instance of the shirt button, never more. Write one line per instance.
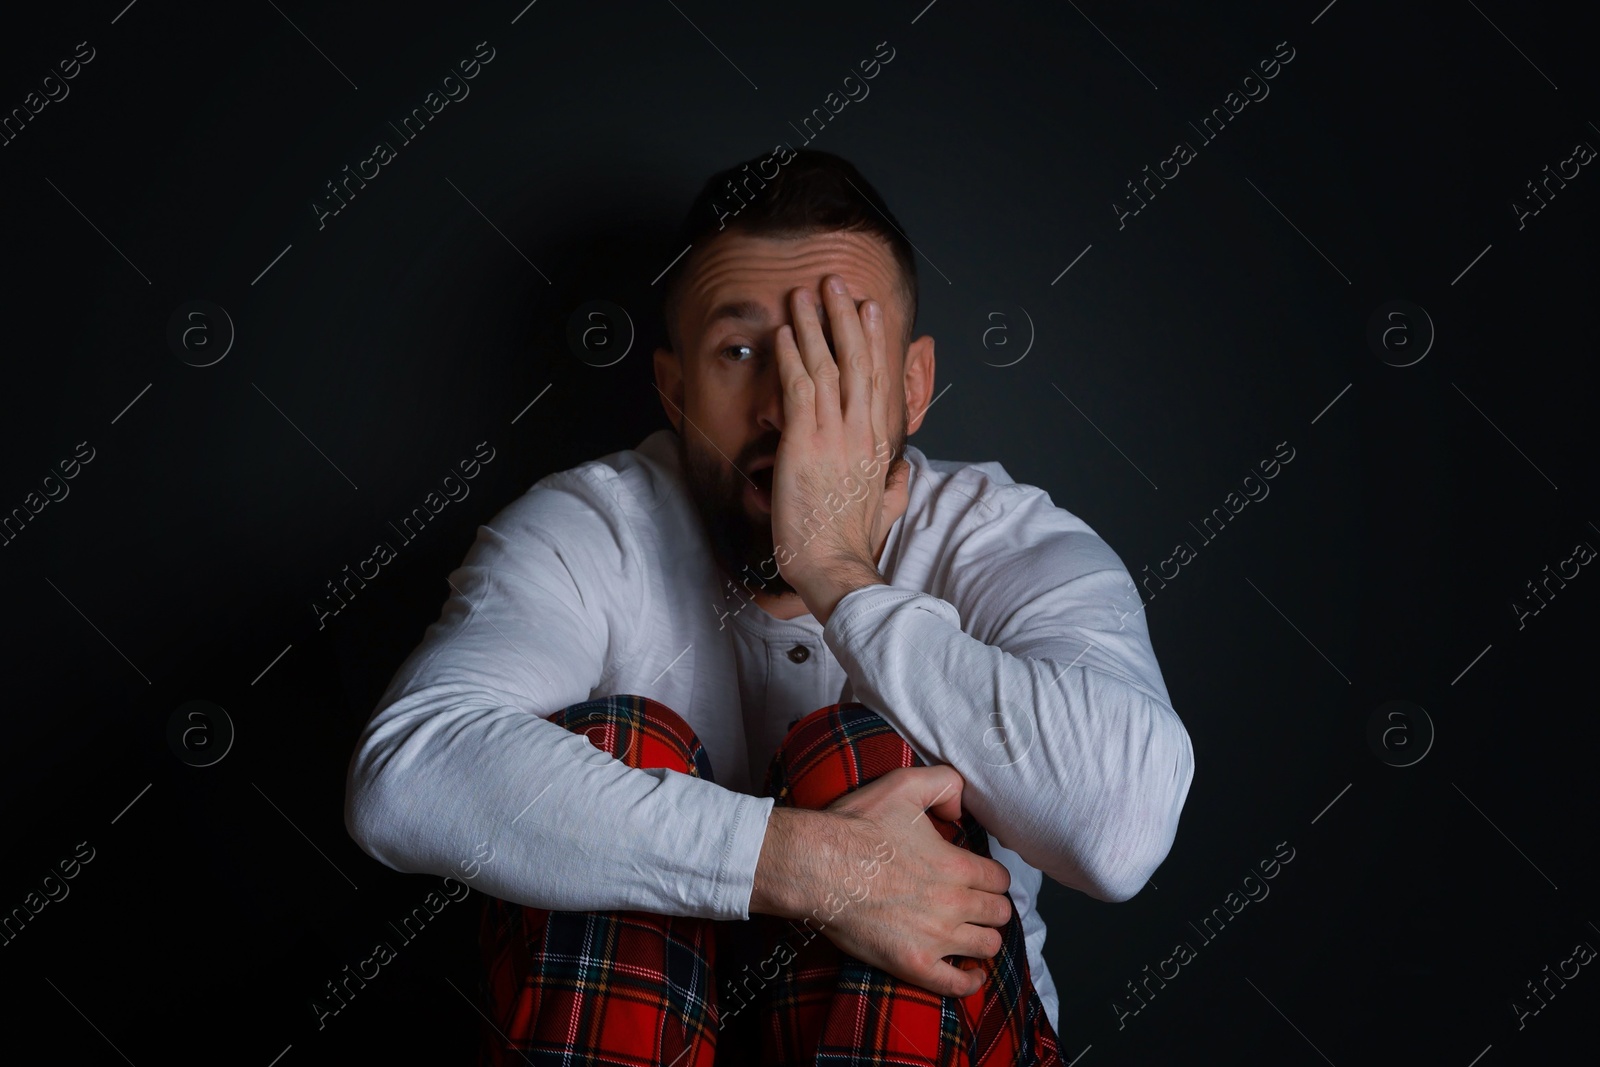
(799, 653)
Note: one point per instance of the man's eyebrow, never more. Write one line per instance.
(747, 310)
(753, 311)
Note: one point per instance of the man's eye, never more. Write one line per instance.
(739, 348)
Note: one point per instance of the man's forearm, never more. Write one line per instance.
(1091, 770)
(666, 842)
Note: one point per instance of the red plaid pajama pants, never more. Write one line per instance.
(638, 989)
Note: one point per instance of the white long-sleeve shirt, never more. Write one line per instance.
(1009, 643)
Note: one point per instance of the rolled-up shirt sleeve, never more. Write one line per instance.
(460, 773)
(1030, 671)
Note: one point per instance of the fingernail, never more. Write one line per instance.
(836, 284)
(805, 298)
(872, 311)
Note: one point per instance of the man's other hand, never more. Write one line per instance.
(891, 890)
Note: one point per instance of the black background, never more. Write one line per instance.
(379, 350)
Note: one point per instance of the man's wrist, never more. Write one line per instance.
(768, 896)
(783, 870)
(823, 592)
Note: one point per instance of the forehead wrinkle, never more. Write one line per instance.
(771, 256)
(752, 260)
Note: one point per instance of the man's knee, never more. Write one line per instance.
(833, 751)
(638, 731)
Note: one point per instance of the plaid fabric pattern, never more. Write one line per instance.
(637, 989)
(625, 988)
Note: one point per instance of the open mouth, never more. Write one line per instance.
(761, 487)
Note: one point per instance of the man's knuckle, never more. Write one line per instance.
(999, 872)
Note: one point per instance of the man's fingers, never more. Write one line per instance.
(852, 352)
(980, 942)
(949, 980)
(990, 909)
(939, 791)
(799, 398)
(876, 397)
(988, 875)
(816, 357)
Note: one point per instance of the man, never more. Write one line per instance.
(896, 691)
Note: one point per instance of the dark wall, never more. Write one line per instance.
(1172, 350)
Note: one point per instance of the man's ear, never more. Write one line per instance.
(669, 383)
(918, 381)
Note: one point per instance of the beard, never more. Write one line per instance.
(741, 543)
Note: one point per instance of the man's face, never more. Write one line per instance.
(723, 391)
